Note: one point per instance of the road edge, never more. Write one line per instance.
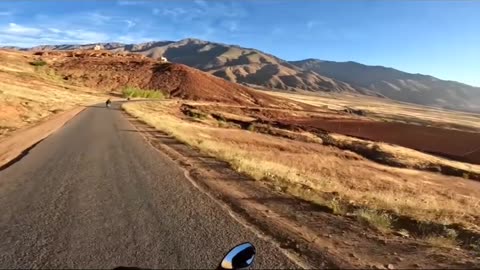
(233, 210)
(17, 144)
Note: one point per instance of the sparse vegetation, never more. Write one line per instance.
(379, 220)
(449, 240)
(222, 124)
(474, 245)
(196, 114)
(312, 171)
(337, 207)
(38, 63)
(135, 92)
(220, 118)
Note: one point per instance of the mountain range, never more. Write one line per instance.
(256, 68)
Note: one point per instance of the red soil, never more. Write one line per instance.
(112, 72)
(455, 144)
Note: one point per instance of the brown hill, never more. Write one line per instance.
(233, 63)
(253, 67)
(112, 72)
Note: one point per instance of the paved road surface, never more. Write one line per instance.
(95, 195)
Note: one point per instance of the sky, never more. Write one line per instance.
(439, 38)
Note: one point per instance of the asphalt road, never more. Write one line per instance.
(95, 195)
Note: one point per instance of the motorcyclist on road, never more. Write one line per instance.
(108, 102)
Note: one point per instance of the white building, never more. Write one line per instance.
(98, 47)
(163, 59)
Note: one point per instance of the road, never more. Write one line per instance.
(95, 194)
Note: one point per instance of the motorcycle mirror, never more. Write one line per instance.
(239, 257)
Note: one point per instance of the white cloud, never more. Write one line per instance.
(310, 24)
(278, 31)
(97, 18)
(231, 26)
(85, 35)
(54, 30)
(18, 35)
(41, 17)
(130, 23)
(130, 3)
(174, 12)
(6, 13)
(14, 28)
(201, 3)
(204, 11)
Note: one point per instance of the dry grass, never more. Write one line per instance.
(310, 169)
(337, 207)
(446, 241)
(378, 220)
(384, 153)
(402, 156)
(29, 93)
(441, 241)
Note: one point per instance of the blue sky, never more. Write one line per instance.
(440, 38)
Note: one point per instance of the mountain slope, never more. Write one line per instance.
(111, 72)
(233, 63)
(397, 85)
(256, 68)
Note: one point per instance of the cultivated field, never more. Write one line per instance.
(451, 134)
(389, 110)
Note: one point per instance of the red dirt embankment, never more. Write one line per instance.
(112, 72)
(454, 144)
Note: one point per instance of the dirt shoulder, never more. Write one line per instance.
(17, 144)
(314, 235)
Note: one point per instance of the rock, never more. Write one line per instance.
(390, 266)
(352, 255)
(400, 259)
(416, 265)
